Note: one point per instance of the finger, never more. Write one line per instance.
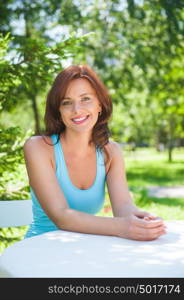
(142, 214)
(152, 217)
(157, 218)
(148, 223)
(157, 235)
(151, 234)
(157, 231)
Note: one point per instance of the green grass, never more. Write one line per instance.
(146, 167)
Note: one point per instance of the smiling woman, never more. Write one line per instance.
(75, 88)
(80, 108)
(70, 164)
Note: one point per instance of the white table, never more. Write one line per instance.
(70, 254)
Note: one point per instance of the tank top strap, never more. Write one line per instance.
(100, 163)
(60, 160)
(100, 157)
(61, 167)
(57, 150)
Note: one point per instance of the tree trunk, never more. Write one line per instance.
(170, 149)
(171, 138)
(32, 97)
(36, 114)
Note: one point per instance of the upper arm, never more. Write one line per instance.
(42, 177)
(116, 179)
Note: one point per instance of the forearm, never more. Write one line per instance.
(77, 221)
(124, 208)
(127, 226)
(129, 208)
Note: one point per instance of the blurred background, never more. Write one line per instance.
(137, 48)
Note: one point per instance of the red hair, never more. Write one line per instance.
(52, 118)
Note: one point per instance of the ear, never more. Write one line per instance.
(100, 107)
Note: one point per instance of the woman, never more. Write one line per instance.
(69, 165)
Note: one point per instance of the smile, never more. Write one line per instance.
(80, 120)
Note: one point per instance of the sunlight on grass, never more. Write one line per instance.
(168, 213)
(147, 167)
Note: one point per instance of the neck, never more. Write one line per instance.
(78, 143)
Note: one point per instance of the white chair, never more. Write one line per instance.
(15, 213)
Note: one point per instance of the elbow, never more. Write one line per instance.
(65, 218)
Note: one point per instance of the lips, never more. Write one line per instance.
(80, 119)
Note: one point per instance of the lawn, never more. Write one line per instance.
(146, 167)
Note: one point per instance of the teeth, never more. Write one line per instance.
(80, 119)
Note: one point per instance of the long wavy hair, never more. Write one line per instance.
(52, 118)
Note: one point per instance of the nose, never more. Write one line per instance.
(76, 106)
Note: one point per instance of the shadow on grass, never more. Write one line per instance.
(169, 201)
(175, 162)
(154, 176)
(142, 198)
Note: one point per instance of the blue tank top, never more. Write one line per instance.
(89, 201)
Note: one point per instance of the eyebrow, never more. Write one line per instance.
(79, 96)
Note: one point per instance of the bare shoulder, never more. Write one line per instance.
(113, 149)
(35, 143)
(114, 155)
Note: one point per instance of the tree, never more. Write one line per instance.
(40, 65)
(39, 57)
(138, 50)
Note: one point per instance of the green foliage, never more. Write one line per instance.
(12, 139)
(37, 63)
(13, 179)
(9, 236)
(138, 50)
(12, 184)
(23, 77)
(8, 72)
(136, 46)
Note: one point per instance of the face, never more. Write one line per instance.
(80, 107)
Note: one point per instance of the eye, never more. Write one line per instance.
(86, 99)
(66, 102)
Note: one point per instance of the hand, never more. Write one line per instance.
(141, 229)
(146, 216)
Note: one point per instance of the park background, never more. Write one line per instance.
(137, 48)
